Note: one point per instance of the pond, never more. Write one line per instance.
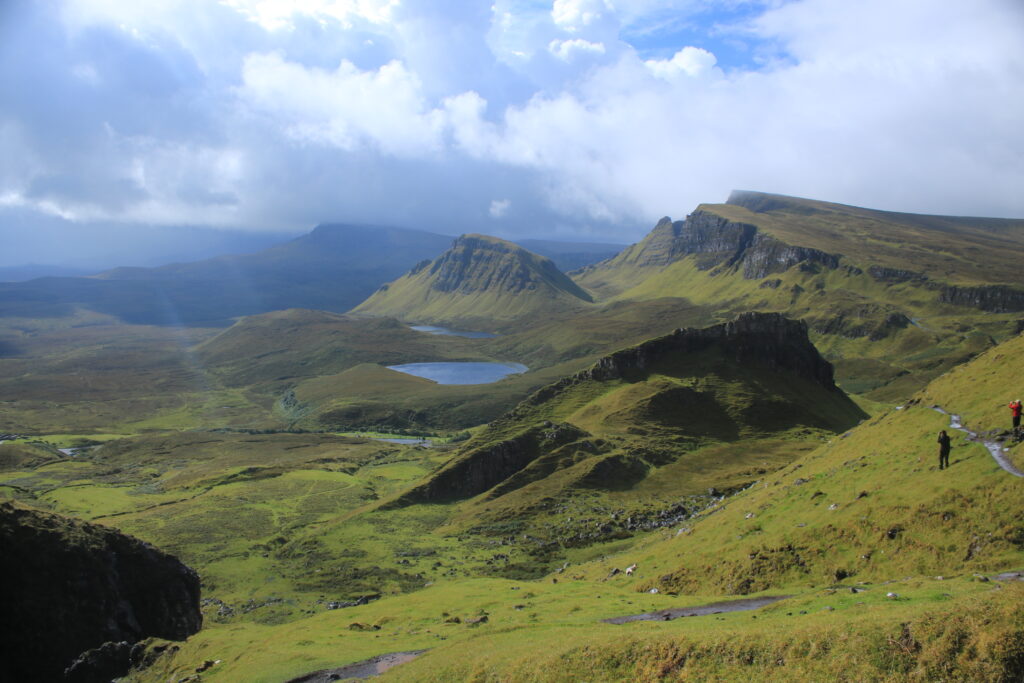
(431, 329)
(461, 373)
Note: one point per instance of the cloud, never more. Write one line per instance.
(346, 107)
(585, 115)
(690, 61)
(567, 49)
(574, 15)
(499, 207)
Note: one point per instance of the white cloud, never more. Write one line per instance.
(567, 49)
(346, 107)
(499, 207)
(690, 61)
(281, 14)
(574, 15)
(189, 110)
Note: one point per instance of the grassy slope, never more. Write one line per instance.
(498, 283)
(951, 524)
(806, 530)
(230, 504)
(847, 309)
(957, 250)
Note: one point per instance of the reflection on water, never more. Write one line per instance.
(461, 373)
(431, 329)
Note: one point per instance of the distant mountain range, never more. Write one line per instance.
(333, 268)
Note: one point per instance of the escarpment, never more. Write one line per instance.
(992, 298)
(70, 586)
(715, 241)
(769, 340)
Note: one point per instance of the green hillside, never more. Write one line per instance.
(885, 560)
(893, 299)
(480, 283)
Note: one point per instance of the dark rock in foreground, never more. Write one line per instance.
(70, 586)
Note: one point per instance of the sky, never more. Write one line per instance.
(566, 119)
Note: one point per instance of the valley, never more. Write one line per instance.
(740, 405)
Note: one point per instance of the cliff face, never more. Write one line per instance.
(717, 241)
(72, 586)
(994, 298)
(767, 339)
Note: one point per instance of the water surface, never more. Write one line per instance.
(461, 373)
(431, 329)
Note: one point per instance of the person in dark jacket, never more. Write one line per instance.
(943, 449)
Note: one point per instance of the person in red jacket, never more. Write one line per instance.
(1015, 409)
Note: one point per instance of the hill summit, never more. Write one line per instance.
(479, 281)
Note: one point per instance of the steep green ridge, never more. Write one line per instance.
(671, 417)
(890, 317)
(870, 505)
(951, 249)
(480, 282)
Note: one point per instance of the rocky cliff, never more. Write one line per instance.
(477, 263)
(993, 298)
(70, 586)
(769, 340)
(713, 241)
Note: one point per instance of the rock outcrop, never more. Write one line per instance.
(482, 281)
(770, 340)
(478, 263)
(717, 241)
(70, 587)
(992, 298)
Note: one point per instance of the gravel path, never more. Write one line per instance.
(993, 447)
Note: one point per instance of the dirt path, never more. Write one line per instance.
(741, 605)
(993, 447)
(367, 668)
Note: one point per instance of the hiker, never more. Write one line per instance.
(1015, 409)
(943, 449)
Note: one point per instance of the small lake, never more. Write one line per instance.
(461, 373)
(431, 329)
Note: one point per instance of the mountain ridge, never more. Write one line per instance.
(478, 280)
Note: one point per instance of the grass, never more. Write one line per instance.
(481, 283)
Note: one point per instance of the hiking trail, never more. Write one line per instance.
(993, 447)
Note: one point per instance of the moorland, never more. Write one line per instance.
(744, 404)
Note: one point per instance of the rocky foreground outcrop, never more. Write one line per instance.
(69, 587)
